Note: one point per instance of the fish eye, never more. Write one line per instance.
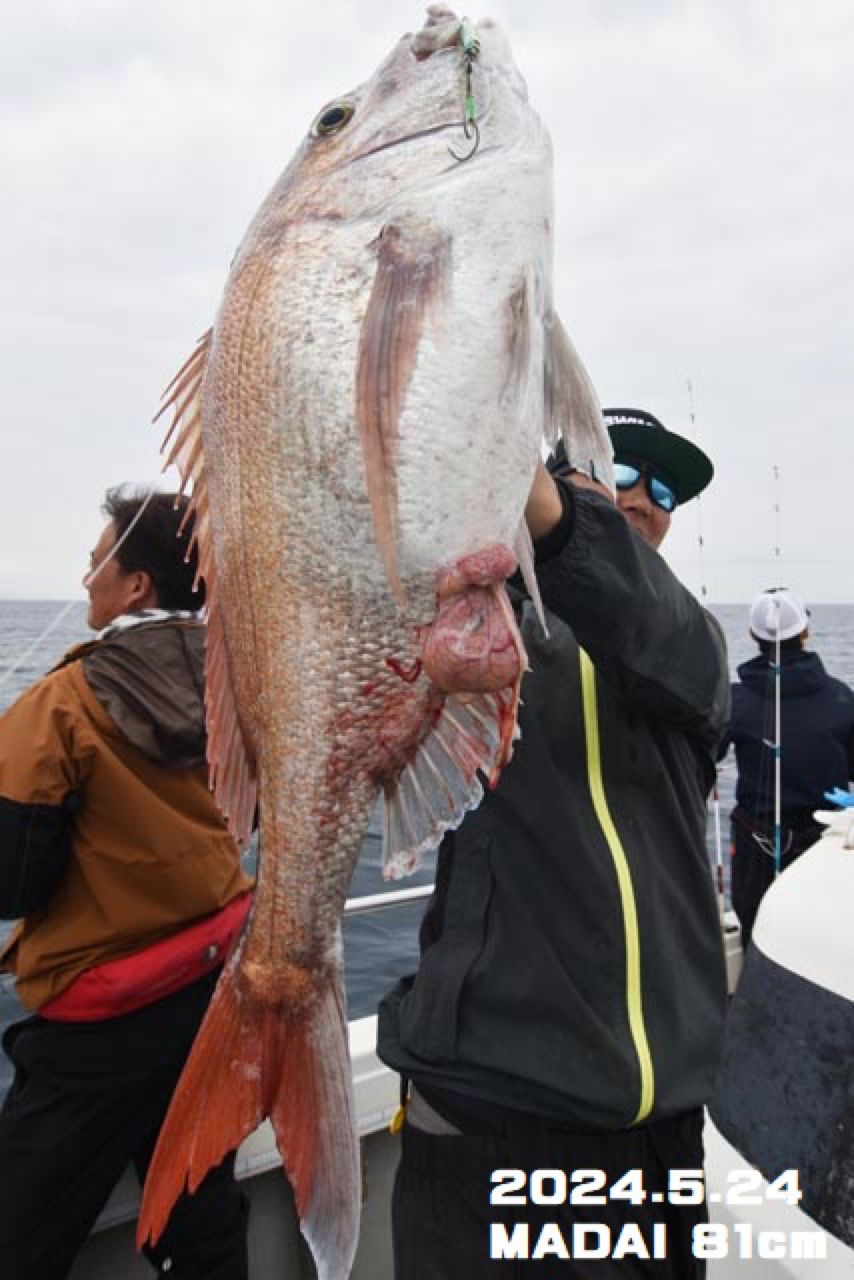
(332, 118)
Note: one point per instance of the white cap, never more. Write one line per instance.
(778, 611)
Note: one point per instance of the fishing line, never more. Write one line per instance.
(67, 607)
(716, 795)
(471, 48)
(775, 470)
(701, 542)
(71, 604)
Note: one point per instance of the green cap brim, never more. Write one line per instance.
(682, 464)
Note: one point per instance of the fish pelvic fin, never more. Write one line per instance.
(524, 549)
(413, 270)
(232, 773)
(250, 1061)
(572, 407)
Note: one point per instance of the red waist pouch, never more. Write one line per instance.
(120, 986)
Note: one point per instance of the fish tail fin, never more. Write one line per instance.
(217, 1102)
(313, 1119)
(251, 1060)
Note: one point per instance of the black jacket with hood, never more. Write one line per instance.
(572, 963)
(817, 735)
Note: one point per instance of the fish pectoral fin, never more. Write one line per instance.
(232, 775)
(250, 1060)
(572, 407)
(520, 318)
(474, 733)
(413, 270)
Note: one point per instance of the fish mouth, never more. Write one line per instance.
(407, 137)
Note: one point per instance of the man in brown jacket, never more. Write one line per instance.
(129, 892)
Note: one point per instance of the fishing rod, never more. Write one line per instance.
(778, 680)
(773, 848)
(716, 795)
(776, 746)
(71, 604)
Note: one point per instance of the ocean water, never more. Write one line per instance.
(381, 946)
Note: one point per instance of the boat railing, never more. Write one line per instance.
(352, 907)
(382, 901)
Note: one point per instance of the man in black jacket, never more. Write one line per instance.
(563, 1029)
(817, 748)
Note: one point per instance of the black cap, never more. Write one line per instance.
(638, 436)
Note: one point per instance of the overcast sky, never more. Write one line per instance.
(705, 232)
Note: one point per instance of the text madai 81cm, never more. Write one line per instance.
(583, 1240)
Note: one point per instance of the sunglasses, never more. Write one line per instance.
(627, 475)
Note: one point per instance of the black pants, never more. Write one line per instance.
(87, 1100)
(752, 867)
(442, 1217)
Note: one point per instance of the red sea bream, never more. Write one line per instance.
(361, 427)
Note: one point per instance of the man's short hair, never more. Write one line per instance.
(769, 647)
(154, 544)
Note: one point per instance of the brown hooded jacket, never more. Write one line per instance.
(103, 760)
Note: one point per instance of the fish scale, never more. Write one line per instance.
(361, 427)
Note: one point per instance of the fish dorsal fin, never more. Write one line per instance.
(572, 407)
(473, 733)
(412, 274)
(232, 777)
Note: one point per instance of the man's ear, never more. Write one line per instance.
(143, 593)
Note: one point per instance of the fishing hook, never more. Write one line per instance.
(471, 48)
(470, 129)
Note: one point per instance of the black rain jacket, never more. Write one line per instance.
(572, 961)
(817, 734)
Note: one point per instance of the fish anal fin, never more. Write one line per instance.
(251, 1060)
(413, 270)
(572, 407)
(473, 733)
(232, 772)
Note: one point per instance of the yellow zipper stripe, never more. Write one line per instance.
(634, 997)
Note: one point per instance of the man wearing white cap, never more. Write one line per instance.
(817, 737)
